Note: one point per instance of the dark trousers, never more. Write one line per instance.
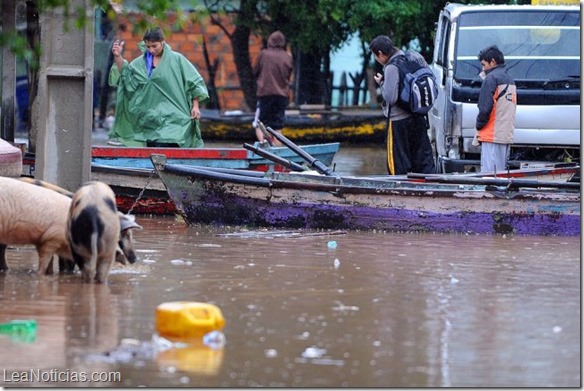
(408, 147)
(273, 110)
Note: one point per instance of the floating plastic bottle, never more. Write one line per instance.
(184, 320)
(21, 330)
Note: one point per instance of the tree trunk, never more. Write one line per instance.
(33, 35)
(212, 69)
(311, 80)
(240, 45)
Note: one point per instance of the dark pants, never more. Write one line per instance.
(408, 147)
(161, 145)
(273, 110)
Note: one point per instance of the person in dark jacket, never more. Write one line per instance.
(497, 105)
(408, 144)
(272, 70)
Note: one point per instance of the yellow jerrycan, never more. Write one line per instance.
(184, 320)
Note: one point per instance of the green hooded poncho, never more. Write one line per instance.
(157, 108)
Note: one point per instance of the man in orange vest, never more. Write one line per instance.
(497, 105)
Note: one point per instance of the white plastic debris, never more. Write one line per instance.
(214, 339)
(271, 353)
(313, 352)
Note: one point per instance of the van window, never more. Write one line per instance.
(443, 44)
(538, 45)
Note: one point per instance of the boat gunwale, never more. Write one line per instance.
(352, 185)
(224, 153)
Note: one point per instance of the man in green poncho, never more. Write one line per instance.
(158, 96)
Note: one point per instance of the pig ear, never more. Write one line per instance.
(128, 222)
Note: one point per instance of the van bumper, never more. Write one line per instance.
(448, 165)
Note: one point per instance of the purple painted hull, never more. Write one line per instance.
(297, 201)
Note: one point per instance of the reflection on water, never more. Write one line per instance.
(361, 160)
(379, 310)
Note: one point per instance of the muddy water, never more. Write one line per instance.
(379, 310)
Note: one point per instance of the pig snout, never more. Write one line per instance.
(126, 243)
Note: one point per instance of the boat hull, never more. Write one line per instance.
(130, 173)
(368, 205)
(370, 127)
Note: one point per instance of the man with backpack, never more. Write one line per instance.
(406, 99)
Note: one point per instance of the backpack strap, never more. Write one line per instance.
(398, 62)
(502, 93)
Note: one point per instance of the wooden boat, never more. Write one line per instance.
(303, 126)
(130, 173)
(239, 158)
(138, 190)
(292, 200)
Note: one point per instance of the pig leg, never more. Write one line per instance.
(50, 267)
(66, 266)
(88, 270)
(45, 260)
(3, 264)
(103, 268)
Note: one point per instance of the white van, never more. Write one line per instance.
(541, 45)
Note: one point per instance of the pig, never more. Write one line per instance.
(35, 215)
(47, 185)
(126, 244)
(125, 251)
(93, 230)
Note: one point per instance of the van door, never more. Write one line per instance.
(438, 132)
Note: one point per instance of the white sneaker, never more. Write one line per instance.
(114, 142)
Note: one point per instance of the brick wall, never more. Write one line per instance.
(188, 41)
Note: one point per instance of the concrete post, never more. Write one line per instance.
(8, 70)
(65, 97)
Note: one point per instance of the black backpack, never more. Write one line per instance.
(417, 85)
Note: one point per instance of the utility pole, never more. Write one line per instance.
(63, 109)
(8, 72)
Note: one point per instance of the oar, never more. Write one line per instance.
(266, 135)
(493, 181)
(262, 128)
(275, 158)
(314, 162)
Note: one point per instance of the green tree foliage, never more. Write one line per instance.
(314, 28)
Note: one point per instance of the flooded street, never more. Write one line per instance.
(379, 310)
(307, 309)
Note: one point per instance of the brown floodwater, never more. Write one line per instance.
(379, 310)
